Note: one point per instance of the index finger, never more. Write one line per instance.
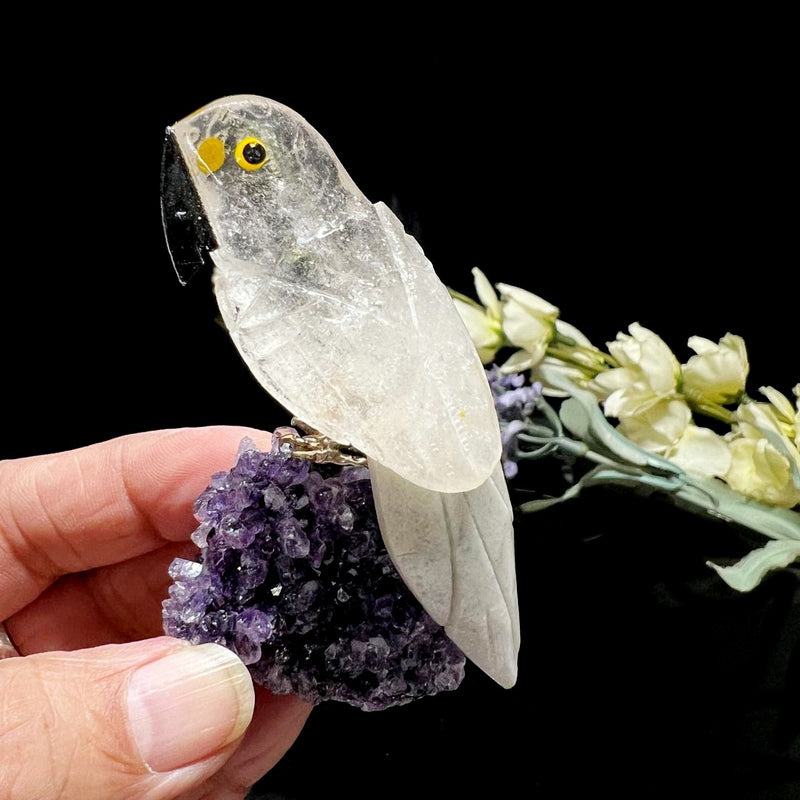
(104, 503)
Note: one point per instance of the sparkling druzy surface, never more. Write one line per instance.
(293, 576)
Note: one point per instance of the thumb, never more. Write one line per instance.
(146, 720)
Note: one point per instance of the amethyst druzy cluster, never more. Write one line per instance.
(293, 576)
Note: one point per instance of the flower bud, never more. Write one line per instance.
(648, 373)
(483, 322)
(717, 374)
(528, 321)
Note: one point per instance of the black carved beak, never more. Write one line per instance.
(189, 236)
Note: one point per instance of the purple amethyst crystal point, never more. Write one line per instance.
(293, 576)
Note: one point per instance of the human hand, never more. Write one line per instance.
(101, 705)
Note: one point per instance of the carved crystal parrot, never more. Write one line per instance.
(341, 318)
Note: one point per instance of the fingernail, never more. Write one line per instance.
(189, 705)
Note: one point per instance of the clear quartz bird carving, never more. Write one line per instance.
(341, 318)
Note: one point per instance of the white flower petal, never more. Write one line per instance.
(631, 400)
(700, 451)
(519, 361)
(656, 360)
(701, 345)
(486, 293)
(572, 332)
(573, 374)
(780, 401)
(660, 428)
(525, 330)
(532, 302)
(612, 380)
(485, 335)
(477, 323)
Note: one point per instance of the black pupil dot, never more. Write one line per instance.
(254, 153)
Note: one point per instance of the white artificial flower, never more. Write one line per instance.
(779, 411)
(761, 471)
(659, 427)
(775, 420)
(483, 322)
(528, 323)
(765, 449)
(666, 429)
(648, 373)
(718, 373)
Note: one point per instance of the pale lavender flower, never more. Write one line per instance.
(515, 403)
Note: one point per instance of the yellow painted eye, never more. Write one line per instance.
(251, 153)
(210, 155)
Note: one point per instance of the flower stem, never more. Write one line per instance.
(713, 497)
(713, 411)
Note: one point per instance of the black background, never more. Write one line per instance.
(647, 178)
